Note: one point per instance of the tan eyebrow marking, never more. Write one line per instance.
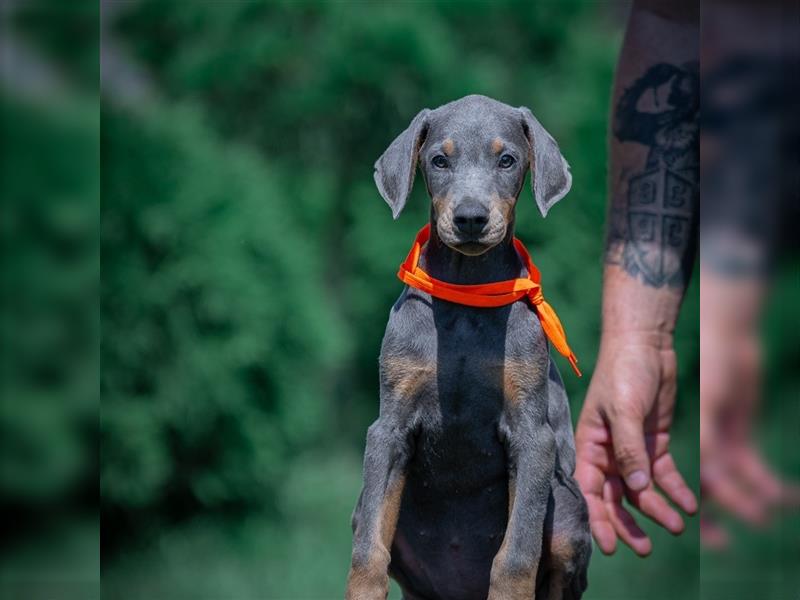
(448, 146)
(497, 145)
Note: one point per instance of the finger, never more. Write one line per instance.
(653, 504)
(591, 479)
(757, 476)
(630, 451)
(588, 473)
(711, 534)
(601, 455)
(724, 490)
(624, 524)
(666, 475)
(602, 528)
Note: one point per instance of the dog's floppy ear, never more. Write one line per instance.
(550, 176)
(395, 169)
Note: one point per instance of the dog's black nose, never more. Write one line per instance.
(470, 219)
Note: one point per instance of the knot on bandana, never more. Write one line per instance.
(535, 296)
(494, 294)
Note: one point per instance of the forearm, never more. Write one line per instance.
(653, 173)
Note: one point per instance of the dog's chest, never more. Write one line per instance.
(470, 358)
(459, 440)
(486, 358)
(459, 367)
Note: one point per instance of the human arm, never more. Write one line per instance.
(623, 431)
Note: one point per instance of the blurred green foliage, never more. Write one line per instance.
(212, 324)
(66, 32)
(49, 295)
(49, 320)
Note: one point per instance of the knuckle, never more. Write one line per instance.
(627, 454)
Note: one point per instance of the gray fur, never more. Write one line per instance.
(550, 176)
(469, 398)
(395, 169)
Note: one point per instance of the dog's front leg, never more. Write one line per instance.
(375, 519)
(530, 445)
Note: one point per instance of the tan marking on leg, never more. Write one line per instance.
(513, 587)
(497, 145)
(561, 554)
(407, 377)
(391, 510)
(370, 580)
(448, 146)
(561, 549)
(506, 584)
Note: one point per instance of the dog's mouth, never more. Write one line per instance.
(472, 245)
(471, 248)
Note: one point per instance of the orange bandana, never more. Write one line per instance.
(500, 293)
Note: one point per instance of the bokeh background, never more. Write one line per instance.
(248, 267)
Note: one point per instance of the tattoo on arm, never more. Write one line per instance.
(653, 211)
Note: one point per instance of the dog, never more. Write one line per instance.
(468, 489)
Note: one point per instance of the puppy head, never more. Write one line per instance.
(474, 154)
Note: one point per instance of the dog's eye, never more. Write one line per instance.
(440, 162)
(506, 161)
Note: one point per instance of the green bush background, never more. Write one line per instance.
(248, 268)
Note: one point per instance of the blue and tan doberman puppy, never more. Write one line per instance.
(468, 490)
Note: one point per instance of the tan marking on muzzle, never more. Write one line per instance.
(443, 207)
(505, 206)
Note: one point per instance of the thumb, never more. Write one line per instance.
(627, 434)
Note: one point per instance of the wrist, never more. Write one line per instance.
(635, 311)
(616, 340)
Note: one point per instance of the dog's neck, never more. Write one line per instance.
(496, 264)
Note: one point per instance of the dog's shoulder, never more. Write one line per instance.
(408, 354)
(524, 333)
(411, 328)
(559, 417)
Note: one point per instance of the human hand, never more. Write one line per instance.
(734, 476)
(622, 441)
